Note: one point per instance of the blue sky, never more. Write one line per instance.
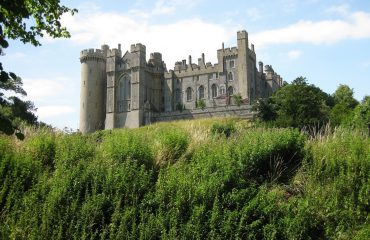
(328, 42)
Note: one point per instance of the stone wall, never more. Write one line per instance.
(243, 111)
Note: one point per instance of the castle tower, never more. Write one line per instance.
(93, 90)
(138, 65)
(242, 38)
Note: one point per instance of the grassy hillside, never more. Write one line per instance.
(216, 179)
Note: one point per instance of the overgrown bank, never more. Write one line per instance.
(216, 179)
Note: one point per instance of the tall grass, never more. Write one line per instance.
(186, 179)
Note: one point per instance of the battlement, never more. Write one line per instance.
(156, 56)
(138, 47)
(92, 54)
(114, 52)
(242, 34)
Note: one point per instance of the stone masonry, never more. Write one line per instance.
(124, 90)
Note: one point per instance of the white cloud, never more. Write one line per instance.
(39, 89)
(174, 40)
(355, 26)
(53, 111)
(294, 54)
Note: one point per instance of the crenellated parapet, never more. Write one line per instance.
(92, 54)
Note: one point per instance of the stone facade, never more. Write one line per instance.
(124, 90)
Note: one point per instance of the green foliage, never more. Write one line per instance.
(344, 95)
(238, 99)
(265, 109)
(223, 128)
(298, 104)
(180, 107)
(200, 104)
(179, 181)
(27, 21)
(362, 114)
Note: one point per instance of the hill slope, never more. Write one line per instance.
(213, 178)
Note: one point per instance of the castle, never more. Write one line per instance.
(128, 91)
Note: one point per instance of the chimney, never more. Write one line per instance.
(204, 62)
(260, 67)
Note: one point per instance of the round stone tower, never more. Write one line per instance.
(93, 89)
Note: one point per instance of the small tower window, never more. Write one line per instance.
(232, 64)
(222, 90)
(189, 96)
(201, 92)
(214, 90)
(230, 76)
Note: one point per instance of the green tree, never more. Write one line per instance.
(361, 116)
(300, 104)
(342, 112)
(344, 95)
(28, 21)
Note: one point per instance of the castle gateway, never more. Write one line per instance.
(128, 91)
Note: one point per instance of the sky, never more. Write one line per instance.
(328, 42)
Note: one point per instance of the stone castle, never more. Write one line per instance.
(125, 90)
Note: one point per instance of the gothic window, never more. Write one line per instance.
(189, 94)
(222, 90)
(230, 91)
(178, 95)
(214, 90)
(201, 92)
(232, 64)
(125, 88)
(230, 76)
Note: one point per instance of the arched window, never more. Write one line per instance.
(201, 92)
(189, 96)
(125, 88)
(222, 90)
(177, 95)
(230, 76)
(230, 90)
(214, 90)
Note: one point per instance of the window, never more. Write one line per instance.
(189, 94)
(125, 88)
(201, 92)
(230, 91)
(230, 76)
(216, 75)
(232, 64)
(214, 90)
(210, 76)
(196, 78)
(222, 90)
(177, 95)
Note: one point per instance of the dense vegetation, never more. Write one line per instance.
(300, 104)
(216, 179)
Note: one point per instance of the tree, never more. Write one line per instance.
(342, 112)
(26, 20)
(344, 95)
(297, 104)
(362, 114)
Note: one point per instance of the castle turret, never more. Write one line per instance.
(244, 88)
(93, 87)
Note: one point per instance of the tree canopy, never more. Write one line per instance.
(27, 21)
(299, 104)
